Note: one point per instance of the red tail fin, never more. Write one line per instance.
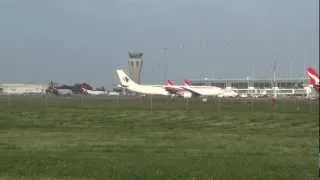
(186, 82)
(83, 90)
(313, 76)
(312, 71)
(169, 83)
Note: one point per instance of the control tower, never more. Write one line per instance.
(135, 65)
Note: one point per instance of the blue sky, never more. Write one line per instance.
(72, 41)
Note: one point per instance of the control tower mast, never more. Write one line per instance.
(135, 63)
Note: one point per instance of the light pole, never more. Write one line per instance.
(165, 67)
(290, 68)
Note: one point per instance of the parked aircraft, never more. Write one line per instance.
(313, 78)
(92, 92)
(177, 90)
(202, 90)
(210, 90)
(62, 92)
(68, 89)
(128, 83)
(59, 91)
(228, 93)
(187, 91)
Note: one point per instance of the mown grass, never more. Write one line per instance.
(127, 139)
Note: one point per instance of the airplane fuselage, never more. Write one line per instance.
(62, 92)
(204, 90)
(148, 89)
(91, 92)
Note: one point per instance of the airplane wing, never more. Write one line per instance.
(193, 91)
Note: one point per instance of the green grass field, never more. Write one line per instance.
(127, 139)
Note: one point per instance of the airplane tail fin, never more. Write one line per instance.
(169, 83)
(186, 82)
(83, 90)
(313, 78)
(125, 80)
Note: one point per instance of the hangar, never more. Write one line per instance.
(22, 88)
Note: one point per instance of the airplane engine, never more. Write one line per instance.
(220, 95)
(187, 94)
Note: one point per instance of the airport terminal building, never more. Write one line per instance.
(261, 87)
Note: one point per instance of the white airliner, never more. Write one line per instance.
(202, 90)
(228, 93)
(209, 90)
(128, 83)
(186, 90)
